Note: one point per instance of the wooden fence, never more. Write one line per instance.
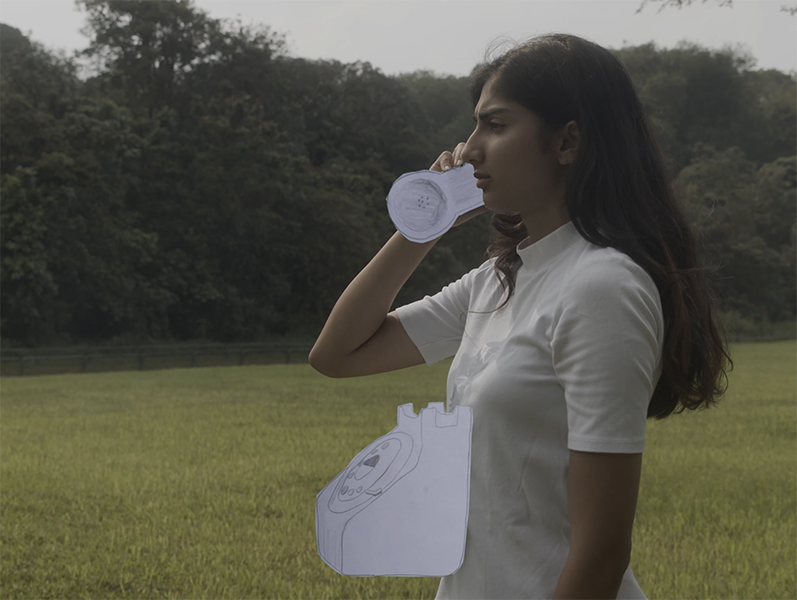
(40, 361)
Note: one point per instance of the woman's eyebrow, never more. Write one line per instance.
(486, 114)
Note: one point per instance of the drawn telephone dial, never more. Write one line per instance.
(377, 470)
(400, 507)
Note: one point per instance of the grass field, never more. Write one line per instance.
(201, 483)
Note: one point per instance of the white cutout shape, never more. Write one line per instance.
(401, 506)
(424, 204)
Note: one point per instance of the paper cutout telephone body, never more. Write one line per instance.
(401, 506)
(424, 204)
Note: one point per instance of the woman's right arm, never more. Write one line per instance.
(360, 337)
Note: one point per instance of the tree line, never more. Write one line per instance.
(201, 183)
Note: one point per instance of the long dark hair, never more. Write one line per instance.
(619, 194)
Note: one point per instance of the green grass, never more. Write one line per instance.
(201, 483)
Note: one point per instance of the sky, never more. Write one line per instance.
(449, 37)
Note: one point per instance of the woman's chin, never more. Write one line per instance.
(492, 203)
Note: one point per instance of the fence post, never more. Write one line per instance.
(83, 361)
(288, 356)
(193, 358)
(140, 359)
(241, 356)
(21, 364)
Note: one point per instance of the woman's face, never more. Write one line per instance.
(505, 146)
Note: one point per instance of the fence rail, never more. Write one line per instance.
(29, 361)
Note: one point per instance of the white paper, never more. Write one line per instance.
(424, 204)
(401, 506)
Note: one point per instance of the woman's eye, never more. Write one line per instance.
(494, 126)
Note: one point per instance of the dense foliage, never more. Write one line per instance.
(202, 184)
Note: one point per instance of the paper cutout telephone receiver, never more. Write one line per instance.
(401, 506)
(424, 204)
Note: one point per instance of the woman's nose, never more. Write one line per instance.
(471, 153)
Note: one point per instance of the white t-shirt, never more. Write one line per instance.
(570, 362)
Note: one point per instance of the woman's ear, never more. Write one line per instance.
(568, 139)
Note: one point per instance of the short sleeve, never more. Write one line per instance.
(606, 347)
(435, 323)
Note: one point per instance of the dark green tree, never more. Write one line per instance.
(697, 95)
(753, 274)
(203, 184)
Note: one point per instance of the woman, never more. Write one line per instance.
(590, 316)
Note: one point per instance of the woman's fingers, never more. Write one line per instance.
(443, 162)
(448, 160)
(457, 156)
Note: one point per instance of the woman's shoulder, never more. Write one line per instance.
(477, 280)
(598, 263)
(484, 273)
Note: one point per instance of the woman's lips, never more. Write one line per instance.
(482, 182)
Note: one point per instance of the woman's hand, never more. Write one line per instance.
(448, 160)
